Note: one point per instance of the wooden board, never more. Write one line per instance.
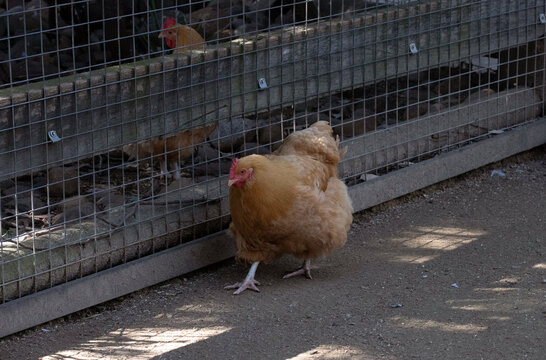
(439, 131)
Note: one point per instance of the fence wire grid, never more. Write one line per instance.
(119, 119)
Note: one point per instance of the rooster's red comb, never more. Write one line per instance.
(168, 23)
(232, 169)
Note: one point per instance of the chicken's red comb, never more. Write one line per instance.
(168, 23)
(232, 169)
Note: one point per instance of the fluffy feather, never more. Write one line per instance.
(290, 202)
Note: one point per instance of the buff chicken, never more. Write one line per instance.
(289, 202)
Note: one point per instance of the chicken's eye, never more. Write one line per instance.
(243, 171)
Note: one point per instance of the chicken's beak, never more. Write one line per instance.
(231, 182)
(161, 35)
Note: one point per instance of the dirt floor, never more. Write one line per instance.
(456, 271)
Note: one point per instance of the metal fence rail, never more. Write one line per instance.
(115, 141)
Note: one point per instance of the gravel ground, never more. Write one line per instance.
(455, 271)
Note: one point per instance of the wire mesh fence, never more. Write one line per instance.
(119, 119)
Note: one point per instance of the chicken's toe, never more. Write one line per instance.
(248, 283)
(300, 271)
(242, 286)
(305, 269)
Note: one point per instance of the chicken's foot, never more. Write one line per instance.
(164, 169)
(305, 269)
(248, 283)
(177, 171)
